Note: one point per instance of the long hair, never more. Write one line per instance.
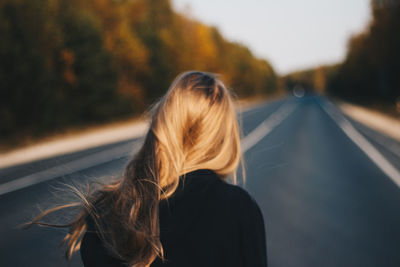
(193, 126)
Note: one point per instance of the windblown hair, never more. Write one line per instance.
(194, 126)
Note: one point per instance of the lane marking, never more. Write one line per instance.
(64, 145)
(68, 168)
(380, 161)
(383, 140)
(267, 126)
(104, 135)
(124, 150)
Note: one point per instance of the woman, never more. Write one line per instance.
(173, 206)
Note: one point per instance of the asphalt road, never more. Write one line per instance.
(324, 201)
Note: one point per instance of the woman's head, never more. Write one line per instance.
(193, 126)
(196, 127)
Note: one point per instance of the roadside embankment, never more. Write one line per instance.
(378, 121)
(93, 137)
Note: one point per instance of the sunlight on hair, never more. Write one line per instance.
(193, 126)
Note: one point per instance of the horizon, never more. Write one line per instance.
(289, 45)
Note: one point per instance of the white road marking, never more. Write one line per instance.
(123, 150)
(380, 161)
(68, 168)
(98, 136)
(69, 144)
(267, 126)
(383, 140)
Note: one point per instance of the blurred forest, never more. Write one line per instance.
(65, 63)
(371, 69)
(370, 72)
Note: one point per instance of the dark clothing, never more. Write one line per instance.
(206, 222)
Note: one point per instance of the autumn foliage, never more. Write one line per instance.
(73, 62)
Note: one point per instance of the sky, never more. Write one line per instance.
(290, 34)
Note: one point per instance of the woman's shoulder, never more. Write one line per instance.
(237, 196)
(206, 176)
(207, 184)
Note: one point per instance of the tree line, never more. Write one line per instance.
(71, 62)
(371, 69)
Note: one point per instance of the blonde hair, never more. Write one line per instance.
(196, 128)
(193, 126)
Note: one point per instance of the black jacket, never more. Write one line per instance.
(206, 222)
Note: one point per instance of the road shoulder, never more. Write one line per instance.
(94, 137)
(378, 121)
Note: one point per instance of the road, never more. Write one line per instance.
(327, 200)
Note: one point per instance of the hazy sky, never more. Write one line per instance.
(291, 34)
